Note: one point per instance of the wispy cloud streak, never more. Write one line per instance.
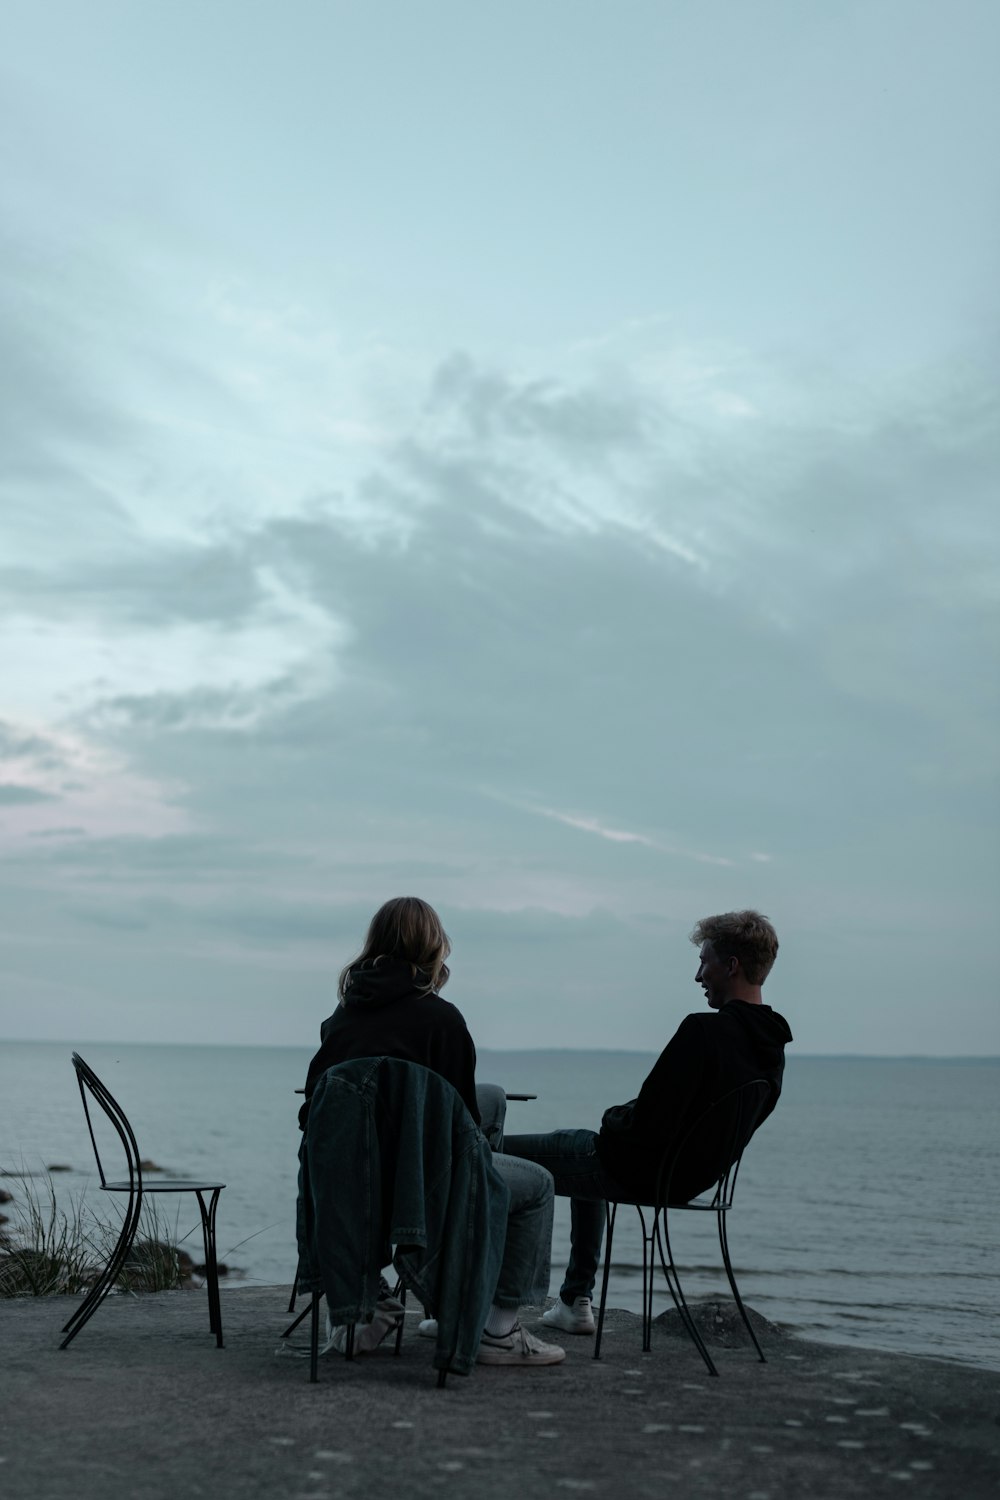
(586, 823)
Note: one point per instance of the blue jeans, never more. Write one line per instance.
(524, 1274)
(571, 1156)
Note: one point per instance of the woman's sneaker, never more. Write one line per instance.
(367, 1336)
(578, 1318)
(517, 1348)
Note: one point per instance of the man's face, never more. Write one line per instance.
(713, 975)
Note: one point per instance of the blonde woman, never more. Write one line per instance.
(391, 1006)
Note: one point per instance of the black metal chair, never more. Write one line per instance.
(724, 1130)
(136, 1187)
(396, 1123)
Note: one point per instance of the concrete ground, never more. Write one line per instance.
(143, 1405)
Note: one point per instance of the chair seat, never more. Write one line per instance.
(703, 1205)
(165, 1185)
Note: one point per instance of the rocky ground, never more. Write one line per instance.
(144, 1406)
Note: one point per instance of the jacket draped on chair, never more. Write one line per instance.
(391, 1156)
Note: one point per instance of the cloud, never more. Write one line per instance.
(589, 824)
(563, 647)
(20, 745)
(74, 784)
(21, 796)
(485, 404)
(143, 587)
(492, 626)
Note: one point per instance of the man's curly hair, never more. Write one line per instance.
(746, 935)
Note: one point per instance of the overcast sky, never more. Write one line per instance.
(542, 457)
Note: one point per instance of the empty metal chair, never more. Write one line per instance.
(722, 1133)
(135, 1186)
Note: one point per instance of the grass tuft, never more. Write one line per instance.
(48, 1250)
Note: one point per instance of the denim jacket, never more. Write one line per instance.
(392, 1156)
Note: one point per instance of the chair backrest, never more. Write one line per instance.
(713, 1147)
(91, 1085)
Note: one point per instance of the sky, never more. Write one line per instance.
(541, 457)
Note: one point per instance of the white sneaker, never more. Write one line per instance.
(428, 1328)
(517, 1348)
(576, 1319)
(367, 1336)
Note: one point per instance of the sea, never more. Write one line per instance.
(867, 1211)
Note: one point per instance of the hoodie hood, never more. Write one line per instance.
(383, 981)
(769, 1030)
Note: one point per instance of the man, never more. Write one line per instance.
(709, 1055)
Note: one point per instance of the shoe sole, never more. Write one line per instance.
(510, 1361)
(569, 1328)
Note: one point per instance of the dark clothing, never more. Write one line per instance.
(390, 1155)
(710, 1053)
(386, 1011)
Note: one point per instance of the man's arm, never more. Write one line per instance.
(668, 1091)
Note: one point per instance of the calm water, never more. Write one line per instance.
(867, 1213)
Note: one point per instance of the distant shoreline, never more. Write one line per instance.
(960, 1058)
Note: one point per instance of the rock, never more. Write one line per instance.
(153, 1265)
(6, 1197)
(719, 1323)
(58, 1167)
(149, 1167)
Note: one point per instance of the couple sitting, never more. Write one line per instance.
(390, 1006)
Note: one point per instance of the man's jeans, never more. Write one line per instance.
(571, 1157)
(524, 1275)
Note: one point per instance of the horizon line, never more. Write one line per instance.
(634, 1051)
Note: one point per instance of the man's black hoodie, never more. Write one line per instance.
(711, 1053)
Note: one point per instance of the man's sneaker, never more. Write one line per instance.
(367, 1336)
(576, 1319)
(428, 1328)
(517, 1348)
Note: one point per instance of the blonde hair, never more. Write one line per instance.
(405, 928)
(746, 935)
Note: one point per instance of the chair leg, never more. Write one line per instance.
(677, 1292)
(313, 1339)
(724, 1242)
(109, 1275)
(610, 1211)
(303, 1314)
(401, 1294)
(211, 1263)
(648, 1267)
(295, 1287)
